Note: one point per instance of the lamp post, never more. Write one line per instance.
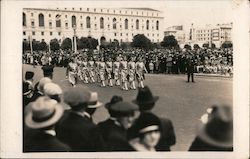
(74, 38)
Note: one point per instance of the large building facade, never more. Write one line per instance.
(104, 24)
(211, 34)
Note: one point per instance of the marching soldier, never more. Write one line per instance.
(91, 71)
(72, 72)
(131, 73)
(85, 70)
(109, 64)
(102, 67)
(140, 68)
(116, 70)
(124, 73)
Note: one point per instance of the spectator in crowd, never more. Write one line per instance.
(146, 101)
(53, 91)
(145, 133)
(93, 104)
(115, 129)
(75, 128)
(40, 88)
(216, 133)
(41, 120)
(28, 89)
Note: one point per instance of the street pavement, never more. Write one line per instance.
(182, 102)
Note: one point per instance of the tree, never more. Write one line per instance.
(26, 45)
(141, 41)
(227, 44)
(196, 46)
(66, 44)
(93, 43)
(82, 43)
(43, 46)
(54, 45)
(188, 47)
(205, 45)
(35, 45)
(169, 41)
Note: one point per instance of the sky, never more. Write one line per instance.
(198, 12)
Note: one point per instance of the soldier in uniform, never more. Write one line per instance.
(116, 70)
(140, 68)
(102, 67)
(84, 70)
(124, 73)
(190, 70)
(91, 70)
(131, 73)
(109, 71)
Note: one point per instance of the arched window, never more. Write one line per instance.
(88, 22)
(147, 24)
(137, 24)
(41, 20)
(73, 21)
(126, 23)
(101, 23)
(58, 21)
(24, 19)
(157, 25)
(114, 23)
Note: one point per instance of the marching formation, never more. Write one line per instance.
(107, 72)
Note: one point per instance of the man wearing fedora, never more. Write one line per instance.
(40, 121)
(115, 129)
(146, 101)
(76, 129)
(216, 133)
(93, 104)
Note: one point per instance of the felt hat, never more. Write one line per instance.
(93, 100)
(218, 130)
(145, 98)
(29, 75)
(42, 82)
(44, 112)
(122, 108)
(77, 97)
(113, 100)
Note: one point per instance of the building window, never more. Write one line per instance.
(58, 21)
(126, 23)
(80, 8)
(153, 34)
(121, 34)
(81, 17)
(24, 19)
(51, 33)
(49, 15)
(42, 40)
(87, 9)
(42, 33)
(108, 10)
(115, 34)
(50, 24)
(108, 26)
(147, 24)
(32, 23)
(73, 8)
(41, 20)
(127, 34)
(94, 10)
(157, 25)
(101, 10)
(32, 14)
(24, 39)
(73, 21)
(114, 23)
(101, 23)
(66, 25)
(81, 25)
(137, 24)
(33, 33)
(66, 16)
(59, 33)
(88, 22)
(24, 33)
(114, 11)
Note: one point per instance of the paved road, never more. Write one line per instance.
(182, 102)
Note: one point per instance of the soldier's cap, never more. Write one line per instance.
(123, 108)
(77, 97)
(51, 89)
(29, 75)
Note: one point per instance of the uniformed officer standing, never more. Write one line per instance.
(190, 70)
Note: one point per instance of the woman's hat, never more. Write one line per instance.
(42, 82)
(145, 98)
(93, 100)
(113, 100)
(218, 131)
(44, 112)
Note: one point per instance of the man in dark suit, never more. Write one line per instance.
(114, 129)
(40, 135)
(146, 101)
(75, 128)
(190, 70)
